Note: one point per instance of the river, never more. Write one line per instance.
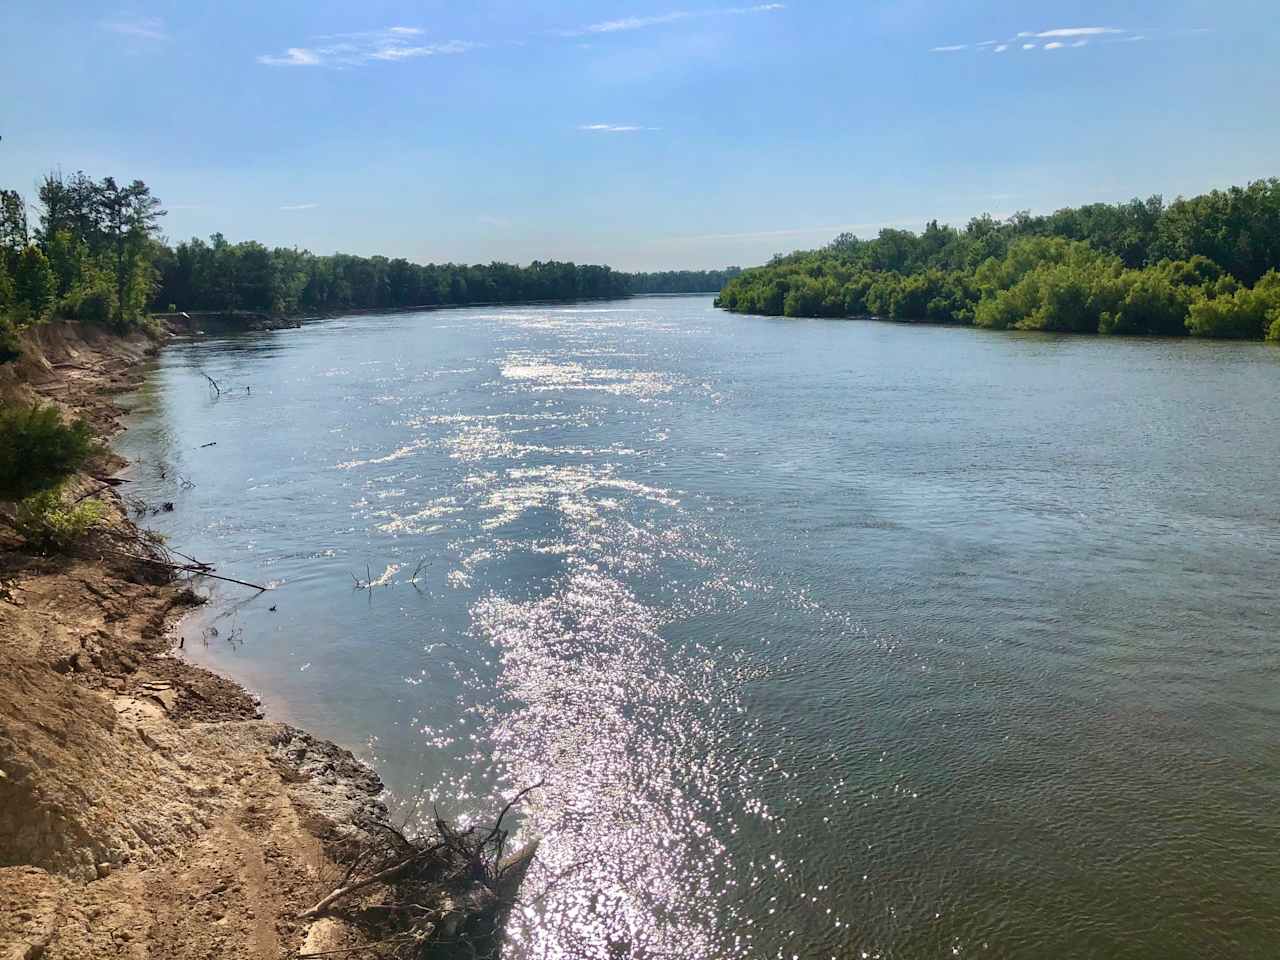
(826, 639)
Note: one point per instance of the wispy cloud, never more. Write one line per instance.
(299, 206)
(613, 128)
(138, 28)
(624, 24)
(1078, 32)
(358, 49)
(1057, 38)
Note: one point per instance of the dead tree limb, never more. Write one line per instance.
(351, 888)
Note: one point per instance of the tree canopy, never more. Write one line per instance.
(95, 254)
(1204, 266)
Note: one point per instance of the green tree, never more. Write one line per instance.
(13, 226)
(35, 286)
(66, 257)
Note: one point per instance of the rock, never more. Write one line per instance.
(104, 870)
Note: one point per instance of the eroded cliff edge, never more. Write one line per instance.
(146, 808)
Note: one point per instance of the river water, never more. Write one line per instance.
(826, 639)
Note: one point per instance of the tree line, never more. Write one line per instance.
(1205, 266)
(93, 251)
(219, 275)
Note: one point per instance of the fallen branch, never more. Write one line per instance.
(212, 381)
(351, 888)
(91, 493)
(215, 576)
(196, 568)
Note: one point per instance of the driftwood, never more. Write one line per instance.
(440, 894)
(146, 548)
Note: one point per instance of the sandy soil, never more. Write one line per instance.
(146, 809)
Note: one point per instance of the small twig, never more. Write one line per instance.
(212, 381)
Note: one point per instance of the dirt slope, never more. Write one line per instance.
(145, 809)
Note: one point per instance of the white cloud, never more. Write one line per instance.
(300, 206)
(293, 57)
(624, 24)
(613, 128)
(1077, 32)
(139, 28)
(357, 49)
(1056, 38)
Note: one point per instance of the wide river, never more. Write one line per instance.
(826, 639)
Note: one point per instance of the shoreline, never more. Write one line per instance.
(239, 321)
(147, 809)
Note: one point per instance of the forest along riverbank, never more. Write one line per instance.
(146, 808)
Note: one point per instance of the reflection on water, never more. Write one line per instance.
(822, 639)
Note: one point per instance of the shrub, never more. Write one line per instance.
(49, 524)
(10, 347)
(92, 302)
(38, 451)
(1241, 314)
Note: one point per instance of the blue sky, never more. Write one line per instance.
(645, 134)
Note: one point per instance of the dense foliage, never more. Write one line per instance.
(1206, 266)
(47, 522)
(248, 276)
(680, 281)
(90, 256)
(95, 255)
(38, 451)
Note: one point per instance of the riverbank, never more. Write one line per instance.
(146, 807)
(201, 322)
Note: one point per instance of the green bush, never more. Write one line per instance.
(49, 524)
(1241, 314)
(38, 451)
(92, 302)
(10, 346)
